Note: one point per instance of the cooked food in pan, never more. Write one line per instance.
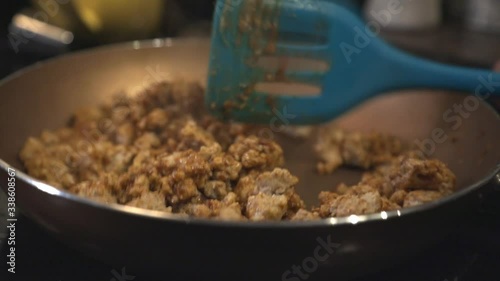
(160, 150)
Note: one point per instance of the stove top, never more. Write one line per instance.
(471, 253)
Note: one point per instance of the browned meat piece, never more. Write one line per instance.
(178, 98)
(224, 166)
(193, 137)
(186, 164)
(342, 188)
(139, 186)
(326, 199)
(360, 189)
(151, 201)
(230, 198)
(378, 182)
(32, 148)
(304, 215)
(266, 207)
(277, 182)
(230, 209)
(414, 174)
(223, 132)
(388, 205)
(94, 190)
(227, 209)
(196, 210)
(355, 151)
(231, 213)
(119, 114)
(184, 191)
(295, 203)
(156, 119)
(383, 148)
(185, 96)
(349, 204)
(125, 134)
(87, 114)
(49, 138)
(331, 160)
(406, 173)
(147, 141)
(398, 197)
(140, 160)
(246, 187)
(359, 200)
(420, 197)
(47, 165)
(255, 153)
(336, 147)
(215, 189)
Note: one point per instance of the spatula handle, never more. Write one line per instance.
(414, 72)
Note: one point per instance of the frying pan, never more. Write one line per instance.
(44, 96)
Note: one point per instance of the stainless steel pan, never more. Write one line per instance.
(44, 96)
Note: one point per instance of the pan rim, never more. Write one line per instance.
(174, 218)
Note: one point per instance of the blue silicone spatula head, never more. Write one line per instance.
(358, 64)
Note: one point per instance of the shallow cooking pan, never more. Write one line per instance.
(45, 95)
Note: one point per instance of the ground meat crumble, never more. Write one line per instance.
(161, 151)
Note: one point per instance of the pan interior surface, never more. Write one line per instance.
(44, 98)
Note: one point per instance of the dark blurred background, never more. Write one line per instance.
(32, 30)
(455, 31)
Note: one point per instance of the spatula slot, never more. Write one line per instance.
(302, 39)
(282, 63)
(288, 89)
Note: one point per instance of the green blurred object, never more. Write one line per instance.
(58, 13)
(105, 21)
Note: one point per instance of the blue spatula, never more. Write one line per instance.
(360, 65)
